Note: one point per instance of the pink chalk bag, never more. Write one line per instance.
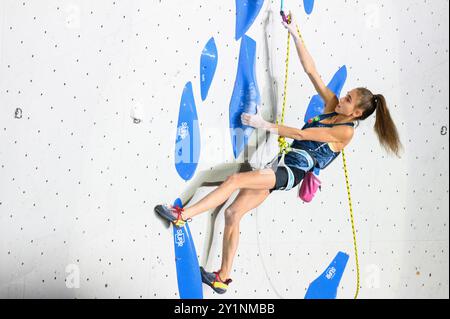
(308, 187)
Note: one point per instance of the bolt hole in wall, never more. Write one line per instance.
(111, 108)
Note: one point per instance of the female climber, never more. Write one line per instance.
(320, 141)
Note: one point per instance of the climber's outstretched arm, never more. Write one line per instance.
(308, 64)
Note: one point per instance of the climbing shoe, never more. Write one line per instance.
(173, 214)
(213, 280)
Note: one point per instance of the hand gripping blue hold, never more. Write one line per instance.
(188, 271)
(309, 6)
(245, 96)
(246, 13)
(187, 146)
(208, 65)
(317, 104)
(326, 286)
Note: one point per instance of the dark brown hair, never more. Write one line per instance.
(384, 125)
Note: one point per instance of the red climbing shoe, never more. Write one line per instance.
(173, 214)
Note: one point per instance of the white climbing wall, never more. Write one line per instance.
(79, 179)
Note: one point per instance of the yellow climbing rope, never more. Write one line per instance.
(285, 148)
(347, 183)
(283, 144)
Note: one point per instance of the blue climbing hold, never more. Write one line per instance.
(187, 146)
(317, 104)
(326, 285)
(246, 13)
(208, 65)
(186, 262)
(245, 96)
(309, 6)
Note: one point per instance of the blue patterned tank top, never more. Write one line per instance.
(320, 152)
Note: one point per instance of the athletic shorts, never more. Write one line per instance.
(282, 177)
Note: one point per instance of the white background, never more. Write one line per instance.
(79, 180)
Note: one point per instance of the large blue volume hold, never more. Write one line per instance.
(246, 13)
(316, 105)
(326, 286)
(187, 146)
(188, 270)
(245, 96)
(208, 65)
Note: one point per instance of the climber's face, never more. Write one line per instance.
(348, 105)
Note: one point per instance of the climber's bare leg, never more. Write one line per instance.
(247, 200)
(262, 180)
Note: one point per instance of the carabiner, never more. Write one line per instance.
(285, 18)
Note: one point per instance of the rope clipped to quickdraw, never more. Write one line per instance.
(347, 183)
(285, 147)
(283, 144)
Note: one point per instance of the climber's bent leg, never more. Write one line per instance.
(255, 180)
